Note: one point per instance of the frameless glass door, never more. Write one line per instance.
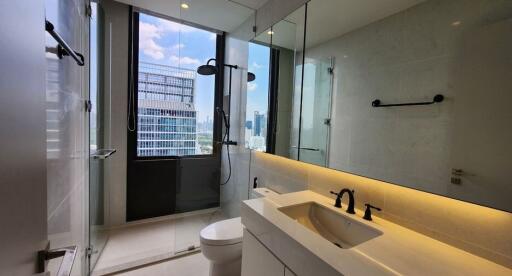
(98, 234)
(316, 111)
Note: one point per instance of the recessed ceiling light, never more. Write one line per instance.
(270, 32)
(184, 6)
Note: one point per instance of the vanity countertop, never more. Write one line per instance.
(398, 251)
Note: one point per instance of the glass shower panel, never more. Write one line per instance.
(316, 111)
(97, 231)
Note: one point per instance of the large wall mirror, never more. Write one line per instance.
(273, 97)
(415, 93)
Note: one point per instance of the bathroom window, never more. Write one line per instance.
(172, 160)
(172, 106)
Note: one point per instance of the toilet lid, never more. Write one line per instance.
(224, 232)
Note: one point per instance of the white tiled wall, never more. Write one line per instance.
(116, 101)
(412, 56)
(236, 190)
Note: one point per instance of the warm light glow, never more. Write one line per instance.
(438, 206)
(184, 6)
(270, 32)
(456, 23)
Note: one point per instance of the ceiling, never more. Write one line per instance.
(222, 15)
(328, 19)
(253, 4)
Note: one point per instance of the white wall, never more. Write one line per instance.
(239, 187)
(116, 106)
(236, 190)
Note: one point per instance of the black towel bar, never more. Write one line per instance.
(437, 99)
(63, 48)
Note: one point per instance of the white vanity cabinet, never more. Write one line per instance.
(257, 260)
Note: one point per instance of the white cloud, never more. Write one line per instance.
(178, 46)
(150, 33)
(251, 86)
(213, 36)
(256, 66)
(147, 35)
(184, 60)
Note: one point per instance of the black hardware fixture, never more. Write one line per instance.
(206, 70)
(68, 254)
(351, 201)
(63, 49)
(250, 76)
(368, 211)
(437, 99)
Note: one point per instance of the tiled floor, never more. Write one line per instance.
(147, 243)
(191, 265)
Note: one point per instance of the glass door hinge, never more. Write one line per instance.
(88, 106)
(88, 10)
(88, 252)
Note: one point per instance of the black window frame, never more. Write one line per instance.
(133, 61)
(272, 100)
(273, 87)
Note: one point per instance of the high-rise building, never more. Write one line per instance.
(248, 124)
(260, 124)
(166, 111)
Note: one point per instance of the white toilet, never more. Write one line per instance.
(221, 242)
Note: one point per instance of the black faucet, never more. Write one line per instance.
(351, 201)
(368, 211)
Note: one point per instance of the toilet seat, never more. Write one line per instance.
(224, 232)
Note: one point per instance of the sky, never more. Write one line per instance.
(168, 43)
(257, 90)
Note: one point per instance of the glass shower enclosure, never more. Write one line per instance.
(98, 233)
(315, 121)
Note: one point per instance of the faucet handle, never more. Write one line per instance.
(368, 211)
(337, 204)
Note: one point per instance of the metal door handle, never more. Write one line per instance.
(102, 153)
(68, 254)
(303, 148)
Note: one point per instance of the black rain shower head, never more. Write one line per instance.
(207, 69)
(250, 76)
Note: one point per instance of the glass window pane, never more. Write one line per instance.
(257, 97)
(175, 104)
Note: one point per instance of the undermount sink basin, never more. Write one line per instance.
(337, 228)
